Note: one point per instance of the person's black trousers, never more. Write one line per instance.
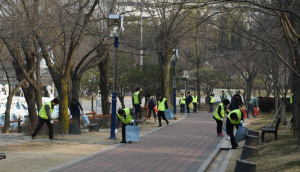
(219, 125)
(123, 132)
(40, 125)
(182, 106)
(149, 111)
(161, 114)
(187, 109)
(211, 107)
(195, 107)
(137, 108)
(229, 130)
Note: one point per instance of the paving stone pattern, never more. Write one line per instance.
(182, 146)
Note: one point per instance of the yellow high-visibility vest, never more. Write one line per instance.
(216, 115)
(128, 116)
(239, 114)
(43, 113)
(161, 105)
(136, 98)
(212, 99)
(181, 100)
(194, 99)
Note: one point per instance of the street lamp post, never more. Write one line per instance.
(175, 57)
(116, 26)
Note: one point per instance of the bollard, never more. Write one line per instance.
(252, 140)
(244, 166)
(253, 133)
(249, 152)
(74, 128)
(94, 127)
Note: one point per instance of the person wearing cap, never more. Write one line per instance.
(188, 100)
(211, 102)
(251, 104)
(126, 116)
(136, 101)
(219, 115)
(234, 119)
(223, 96)
(182, 103)
(195, 102)
(45, 117)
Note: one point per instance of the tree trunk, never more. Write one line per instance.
(29, 95)
(75, 86)
(249, 83)
(7, 114)
(122, 102)
(63, 106)
(284, 112)
(103, 84)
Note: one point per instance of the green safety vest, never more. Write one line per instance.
(239, 114)
(161, 105)
(181, 100)
(43, 113)
(216, 115)
(291, 98)
(212, 99)
(136, 98)
(128, 116)
(194, 99)
(224, 96)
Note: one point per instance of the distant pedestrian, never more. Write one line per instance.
(136, 101)
(235, 102)
(188, 100)
(251, 103)
(195, 102)
(151, 105)
(182, 103)
(74, 109)
(45, 117)
(162, 106)
(126, 116)
(219, 115)
(211, 102)
(223, 96)
(234, 119)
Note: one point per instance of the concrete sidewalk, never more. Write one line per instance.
(182, 146)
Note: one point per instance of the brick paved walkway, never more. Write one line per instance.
(182, 146)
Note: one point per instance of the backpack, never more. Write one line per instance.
(151, 103)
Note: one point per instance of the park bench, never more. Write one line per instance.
(19, 124)
(270, 130)
(2, 156)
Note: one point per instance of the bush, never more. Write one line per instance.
(267, 104)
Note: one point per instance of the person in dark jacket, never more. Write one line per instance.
(241, 98)
(151, 105)
(235, 102)
(137, 101)
(162, 106)
(188, 100)
(75, 111)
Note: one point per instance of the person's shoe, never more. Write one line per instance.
(233, 148)
(221, 135)
(254, 116)
(248, 117)
(123, 142)
(130, 142)
(159, 125)
(167, 122)
(237, 145)
(33, 137)
(53, 138)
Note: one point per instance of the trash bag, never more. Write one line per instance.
(256, 111)
(244, 113)
(168, 113)
(132, 133)
(85, 119)
(241, 133)
(191, 106)
(155, 109)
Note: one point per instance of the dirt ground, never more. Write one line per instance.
(42, 154)
(281, 155)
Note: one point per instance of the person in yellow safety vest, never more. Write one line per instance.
(234, 119)
(291, 98)
(211, 102)
(195, 102)
(162, 105)
(182, 103)
(136, 101)
(223, 96)
(45, 116)
(219, 115)
(126, 116)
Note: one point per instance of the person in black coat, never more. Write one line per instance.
(235, 102)
(188, 100)
(75, 112)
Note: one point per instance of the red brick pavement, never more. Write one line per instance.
(182, 146)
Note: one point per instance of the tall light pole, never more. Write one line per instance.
(115, 28)
(141, 39)
(175, 57)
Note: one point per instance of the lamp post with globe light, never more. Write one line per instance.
(115, 28)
